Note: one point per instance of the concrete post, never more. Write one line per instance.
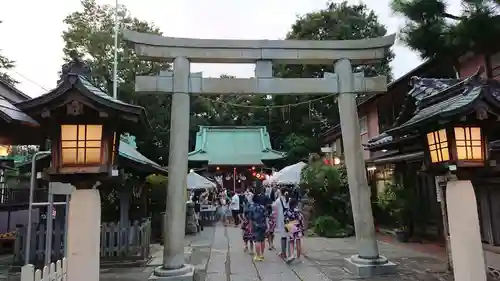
(174, 267)
(367, 262)
(84, 234)
(465, 236)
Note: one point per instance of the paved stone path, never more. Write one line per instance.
(323, 262)
(228, 262)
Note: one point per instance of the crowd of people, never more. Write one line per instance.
(262, 214)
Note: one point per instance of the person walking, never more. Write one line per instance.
(235, 208)
(279, 208)
(294, 226)
(259, 226)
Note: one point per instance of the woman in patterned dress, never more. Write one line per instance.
(246, 228)
(294, 225)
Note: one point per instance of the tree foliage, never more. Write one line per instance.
(435, 33)
(327, 185)
(90, 33)
(6, 64)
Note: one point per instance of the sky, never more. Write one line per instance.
(32, 37)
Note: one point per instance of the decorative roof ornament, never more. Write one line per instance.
(74, 67)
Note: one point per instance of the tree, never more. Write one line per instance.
(90, 33)
(434, 33)
(337, 21)
(6, 64)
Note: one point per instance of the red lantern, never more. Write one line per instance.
(254, 174)
(258, 176)
(326, 161)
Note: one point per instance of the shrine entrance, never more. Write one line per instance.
(181, 83)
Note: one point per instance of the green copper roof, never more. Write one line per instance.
(233, 145)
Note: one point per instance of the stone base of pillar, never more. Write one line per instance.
(368, 267)
(186, 273)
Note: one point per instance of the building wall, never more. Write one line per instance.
(368, 119)
(470, 65)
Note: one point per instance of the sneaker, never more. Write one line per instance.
(257, 258)
(261, 258)
(290, 260)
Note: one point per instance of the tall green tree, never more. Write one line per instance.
(6, 64)
(337, 21)
(90, 33)
(434, 32)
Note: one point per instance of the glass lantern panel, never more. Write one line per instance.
(69, 132)
(81, 144)
(93, 155)
(468, 142)
(438, 146)
(69, 156)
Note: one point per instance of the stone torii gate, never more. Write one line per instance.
(181, 83)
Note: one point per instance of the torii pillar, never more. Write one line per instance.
(181, 84)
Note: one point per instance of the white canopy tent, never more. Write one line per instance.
(195, 181)
(272, 178)
(290, 174)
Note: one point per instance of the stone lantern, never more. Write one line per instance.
(83, 123)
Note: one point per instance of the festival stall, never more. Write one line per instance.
(196, 182)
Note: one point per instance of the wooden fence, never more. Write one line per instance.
(54, 272)
(130, 243)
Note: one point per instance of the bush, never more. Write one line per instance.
(327, 226)
(327, 186)
(392, 204)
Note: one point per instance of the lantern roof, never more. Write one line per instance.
(75, 75)
(438, 100)
(444, 99)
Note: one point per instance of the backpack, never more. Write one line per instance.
(259, 215)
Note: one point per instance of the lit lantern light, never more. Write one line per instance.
(336, 161)
(5, 150)
(217, 168)
(81, 145)
(253, 168)
(462, 146)
(254, 174)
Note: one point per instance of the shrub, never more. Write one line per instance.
(327, 226)
(327, 186)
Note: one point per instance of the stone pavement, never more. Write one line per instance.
(218, 255)
(323, 262)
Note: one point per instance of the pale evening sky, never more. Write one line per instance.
(31, 30)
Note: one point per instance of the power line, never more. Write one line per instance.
(29, 80)
(270, 106)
